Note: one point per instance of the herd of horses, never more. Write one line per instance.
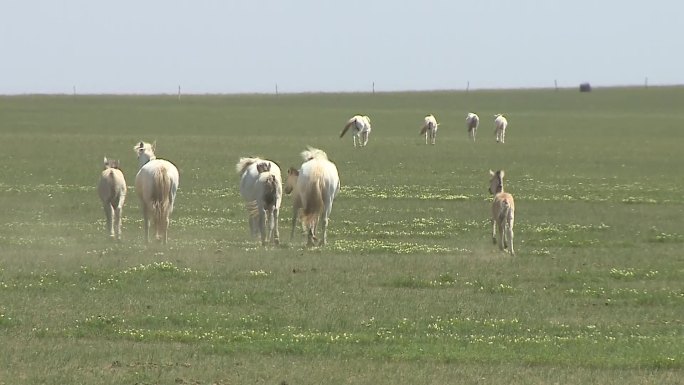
(313, 186)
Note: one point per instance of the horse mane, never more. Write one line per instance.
(313, 153)
(243, 163)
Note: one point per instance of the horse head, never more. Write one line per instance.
(145, 152)
(111, 163)
(496, 183)
(291, 182)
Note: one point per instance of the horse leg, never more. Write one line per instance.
(502, 239)
(494, 231)
(324, 230)
(262, 225)
(275, 235)
(294, 223)
(164, 227)
(117, 222)
(146, 221)
(108, 209)
(509, 235)
(295, 213)
(324, 226)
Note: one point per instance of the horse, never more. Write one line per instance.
(500, 124)
(261, 188)
(472, 121)
(503, 212)
(291, 188)
(112, 190)
(429, 129)
(155, 183)
(314, 187)
(362, 129)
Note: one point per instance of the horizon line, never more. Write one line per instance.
(278, 93)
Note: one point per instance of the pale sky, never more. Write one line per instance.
(249, 46)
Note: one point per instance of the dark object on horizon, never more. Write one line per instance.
(585, 87)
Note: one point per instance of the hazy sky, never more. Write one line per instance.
(229, 46)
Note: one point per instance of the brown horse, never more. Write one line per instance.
(503, 212)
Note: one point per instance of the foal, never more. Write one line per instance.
(112, 190)
(503, 212)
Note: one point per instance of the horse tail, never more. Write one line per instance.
(243, 163)
(313, 202)
(161, 195)
(114, 191)
(424, 129)
(350, 122)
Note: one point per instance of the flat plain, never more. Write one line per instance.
(410, 288)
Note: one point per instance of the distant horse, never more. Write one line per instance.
(156, 184)
(503, 212)
(261, 188)
(429, 129)
(314, 187)
(472, 121)
(500, 124)
(112, 189)
(362, 128)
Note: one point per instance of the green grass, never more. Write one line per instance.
(410, 288)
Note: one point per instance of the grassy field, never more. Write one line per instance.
(410, 288)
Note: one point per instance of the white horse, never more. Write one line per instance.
(262, 189)
(429, 129)
(314, 187)
(112, 190)
(503, 212)
(156, 184)
(362, 128)
(472, 122)
(500, 124)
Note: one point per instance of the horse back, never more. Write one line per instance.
(151, 175)
(112, 186)
(250, 177)
(503, 205)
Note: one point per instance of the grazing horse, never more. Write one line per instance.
(500, 124)
(314, 187)
(112, 189)
(261, 188)
(472, 121)
(429, 129)
(503, 212)
(156, 184)
(362, 128)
